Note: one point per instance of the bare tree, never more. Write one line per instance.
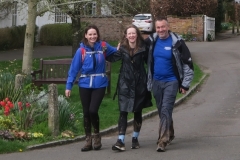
(29, 37)
(5, 9)
(71, 8)
(183, 7)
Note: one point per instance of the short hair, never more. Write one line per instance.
(91, 26)
(160, 18)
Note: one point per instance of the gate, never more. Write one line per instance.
(209, 28)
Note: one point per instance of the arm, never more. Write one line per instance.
(116, 56)
(188, 69)
(74, 69)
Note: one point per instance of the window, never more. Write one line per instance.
(60, 17)
(90, 8)
(14, 14)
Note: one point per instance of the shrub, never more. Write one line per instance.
(7, 87)
(59, 34)
(68, 115)
(5, 38)
(13, 37)
(56, 34)
(17, 36)
(225, 26)
(188, 37)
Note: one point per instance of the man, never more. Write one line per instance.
(170, 69)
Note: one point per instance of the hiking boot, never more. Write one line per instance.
(170, 140)
(161, 146)
(119, 145)
(88, 145)
(135, 144)
(97, 142)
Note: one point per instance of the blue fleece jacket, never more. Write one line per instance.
(88, 65)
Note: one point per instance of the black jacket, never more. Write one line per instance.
(132, 82)
(182, 61)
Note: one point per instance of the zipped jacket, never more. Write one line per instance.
(91, 66)
(132, 81)
(181, 60)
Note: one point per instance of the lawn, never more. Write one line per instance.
(108, 111)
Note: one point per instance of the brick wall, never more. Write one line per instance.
(111, 28)
(187, 25)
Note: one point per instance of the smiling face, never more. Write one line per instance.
(91, 36)
(131, 35)
(162, 28)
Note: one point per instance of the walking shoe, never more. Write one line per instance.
(88, 145)
(135, 144)
(97, 141)
(119, 145)
(170, 140)
(161, 147)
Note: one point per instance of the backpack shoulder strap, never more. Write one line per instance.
(83, 52)
(104, 47)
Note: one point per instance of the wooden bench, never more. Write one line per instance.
(56, 71)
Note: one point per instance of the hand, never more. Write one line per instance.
(118, 46)
(67, 93)
(183, 91)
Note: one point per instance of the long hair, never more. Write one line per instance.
(91, 26)
(139, 41)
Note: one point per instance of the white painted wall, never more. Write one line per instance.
(7, 22)
(47, 18)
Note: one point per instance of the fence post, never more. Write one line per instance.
(18, 81)
(53, 114)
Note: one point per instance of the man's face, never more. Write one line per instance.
(162, 29)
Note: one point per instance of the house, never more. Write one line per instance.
(15, 14)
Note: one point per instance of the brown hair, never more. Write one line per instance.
(91, 26)
(139, 41)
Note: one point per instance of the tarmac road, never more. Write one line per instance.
(206, 124)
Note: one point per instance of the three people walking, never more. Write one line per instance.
(169, 70)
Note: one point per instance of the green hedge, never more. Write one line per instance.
(13, 37)
(56, 34)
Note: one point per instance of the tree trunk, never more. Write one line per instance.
(29, 37)
(237, 26)
(76, 26)
(76, 29)
(233, 28)
(98, 7)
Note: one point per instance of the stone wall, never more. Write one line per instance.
(111, 28)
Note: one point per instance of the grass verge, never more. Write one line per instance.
(108, 111)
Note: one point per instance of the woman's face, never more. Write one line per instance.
(91, 36)
(131, 35)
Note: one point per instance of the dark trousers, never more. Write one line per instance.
(91, 100)
(122, 122)
(165, 95)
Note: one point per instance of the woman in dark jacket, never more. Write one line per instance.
(132, 84)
